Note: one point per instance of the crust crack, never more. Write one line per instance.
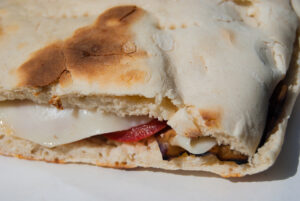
(129, 13)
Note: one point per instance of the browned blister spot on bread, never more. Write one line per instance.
(211, 118)
(44, 67)
(103, 52)
(133, 76)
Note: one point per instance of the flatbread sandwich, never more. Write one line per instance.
(203, 85)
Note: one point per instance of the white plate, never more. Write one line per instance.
(39, 181)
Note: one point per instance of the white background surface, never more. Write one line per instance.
(39, 181)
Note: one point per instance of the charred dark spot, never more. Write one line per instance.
(44, 68)
(85, 54)
(92, 51)
(56, 160)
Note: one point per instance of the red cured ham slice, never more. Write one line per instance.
(137, 133)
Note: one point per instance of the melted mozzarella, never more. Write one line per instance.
(50, 127)
(194, 145)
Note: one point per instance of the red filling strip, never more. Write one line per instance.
(137, 133)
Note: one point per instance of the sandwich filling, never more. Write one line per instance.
(50, 127)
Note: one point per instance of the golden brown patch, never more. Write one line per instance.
(103, 52)
(133, 76)
(44, 67)
(117, 166)
(172, 27)
(231, 175)
(98, 50)
(160, 26)
(55, 101)
(212, 118)
(37, 93)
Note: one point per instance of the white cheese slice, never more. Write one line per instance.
(198, 145)
(51, 127)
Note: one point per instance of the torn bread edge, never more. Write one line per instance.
(100, 152)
